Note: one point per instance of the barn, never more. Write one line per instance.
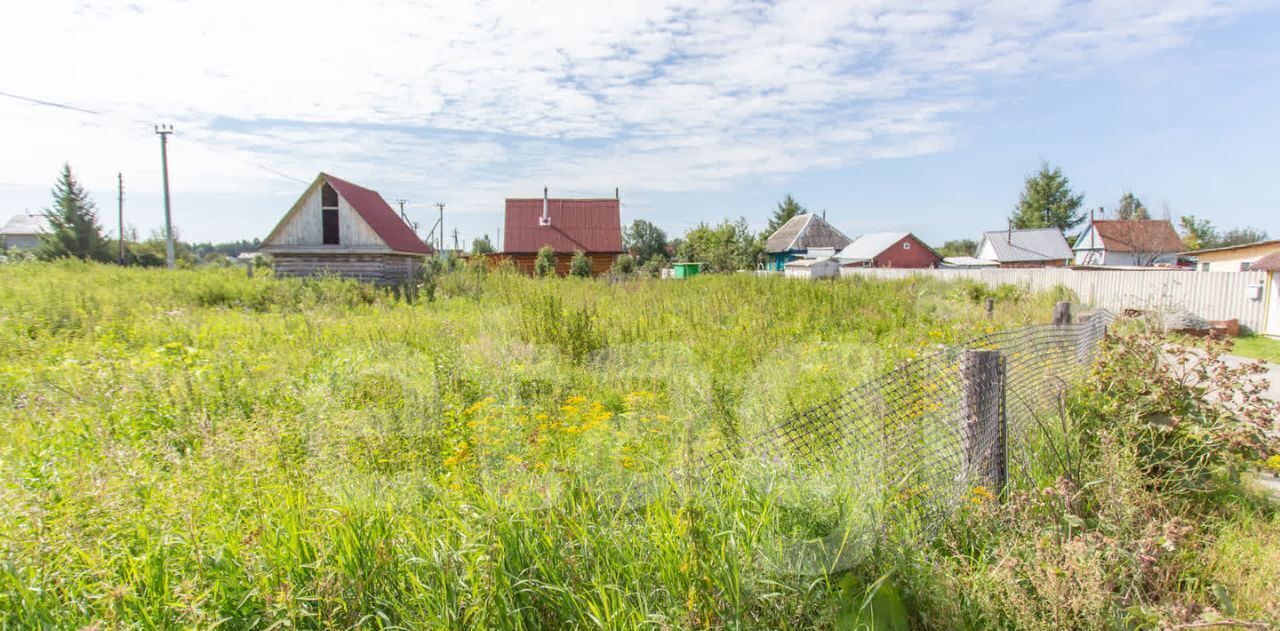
(346, 230)
(888, 249)
(592, 226)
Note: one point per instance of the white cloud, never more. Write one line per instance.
(475, 100)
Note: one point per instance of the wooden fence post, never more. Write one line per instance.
(1062, 314)
(249, 269)
(984, 433)
(991, 308)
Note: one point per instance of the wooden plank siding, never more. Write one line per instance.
(379, 269)
(305, 227)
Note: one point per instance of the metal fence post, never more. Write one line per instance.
(984, 433)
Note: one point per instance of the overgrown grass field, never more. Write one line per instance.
(199, 449)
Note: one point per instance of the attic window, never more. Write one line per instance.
(906, 245)
(329, 214)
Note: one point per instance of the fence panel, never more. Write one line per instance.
(926, 433)
(1211, 295)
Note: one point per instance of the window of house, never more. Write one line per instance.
(329, 214)
(1244, 267)
(1204, 267)
(906, 245)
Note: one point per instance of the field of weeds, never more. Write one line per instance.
(199, 449)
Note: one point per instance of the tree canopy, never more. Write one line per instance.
(73, 224)
(644, 241)
(1130, 207)
(958, 247)
(1047, 201)
(1200, 234)
(727, 246)
(787, 208)
(482, 245)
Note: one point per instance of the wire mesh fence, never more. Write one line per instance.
(928, 433)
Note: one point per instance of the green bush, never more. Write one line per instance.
(580, 265)
(545, 264)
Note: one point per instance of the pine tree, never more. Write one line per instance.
(1048, 202)
(73, 224)
(787, 208)
(580, 265)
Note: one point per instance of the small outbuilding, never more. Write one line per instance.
(1271, 291)
(343, 229)
(798, 236)
(888, 249)
(22, 232)
(590, 226)
(812, 268)
(1031, 247)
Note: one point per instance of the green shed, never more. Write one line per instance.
(686, 270)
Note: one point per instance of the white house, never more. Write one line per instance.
(1131, 243)
(22, 232)
(339, 228)
(812, 268)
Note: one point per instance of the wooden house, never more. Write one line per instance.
(795, 238)
(591, 226)
(901, 250)
(22, 232)
(346, 230)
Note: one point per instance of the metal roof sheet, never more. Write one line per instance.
(24, 225)
(870, 245)
(1031, 244)
(378, 214)
(1268, 263)
(1142, 235)
(590, 225)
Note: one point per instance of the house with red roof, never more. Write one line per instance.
(591, 226)
(344, 229)
(1129, 243)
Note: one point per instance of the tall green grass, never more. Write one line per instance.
(195, 448)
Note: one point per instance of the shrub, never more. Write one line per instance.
(545, 264)
(580, 265)
(624, 265)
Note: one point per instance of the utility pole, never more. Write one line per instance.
(441, 224)
(120, 211)
(455, 239)
(402, 215)
(163, 131)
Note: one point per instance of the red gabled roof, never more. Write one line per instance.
(590, 225)
(378, 214)
(1144, 235)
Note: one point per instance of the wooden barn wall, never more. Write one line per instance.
(380, 269)
(1210, 295)
(305, 227)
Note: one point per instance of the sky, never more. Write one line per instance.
(923, 119)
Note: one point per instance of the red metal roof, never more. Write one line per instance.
(1142, 235)
(590, 225)
(1268, 263)
(378, 214)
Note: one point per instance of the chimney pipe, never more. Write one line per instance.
(615, 193)
(546, 216)
(1009, 233)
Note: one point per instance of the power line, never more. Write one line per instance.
(50, 103)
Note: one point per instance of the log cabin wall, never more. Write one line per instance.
(379, 269)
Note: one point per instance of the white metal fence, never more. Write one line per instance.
(1211, 295)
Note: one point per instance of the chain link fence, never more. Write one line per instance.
(929, 433)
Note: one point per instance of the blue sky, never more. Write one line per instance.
(924, 120)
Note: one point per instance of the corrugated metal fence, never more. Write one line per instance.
(1210, 295)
